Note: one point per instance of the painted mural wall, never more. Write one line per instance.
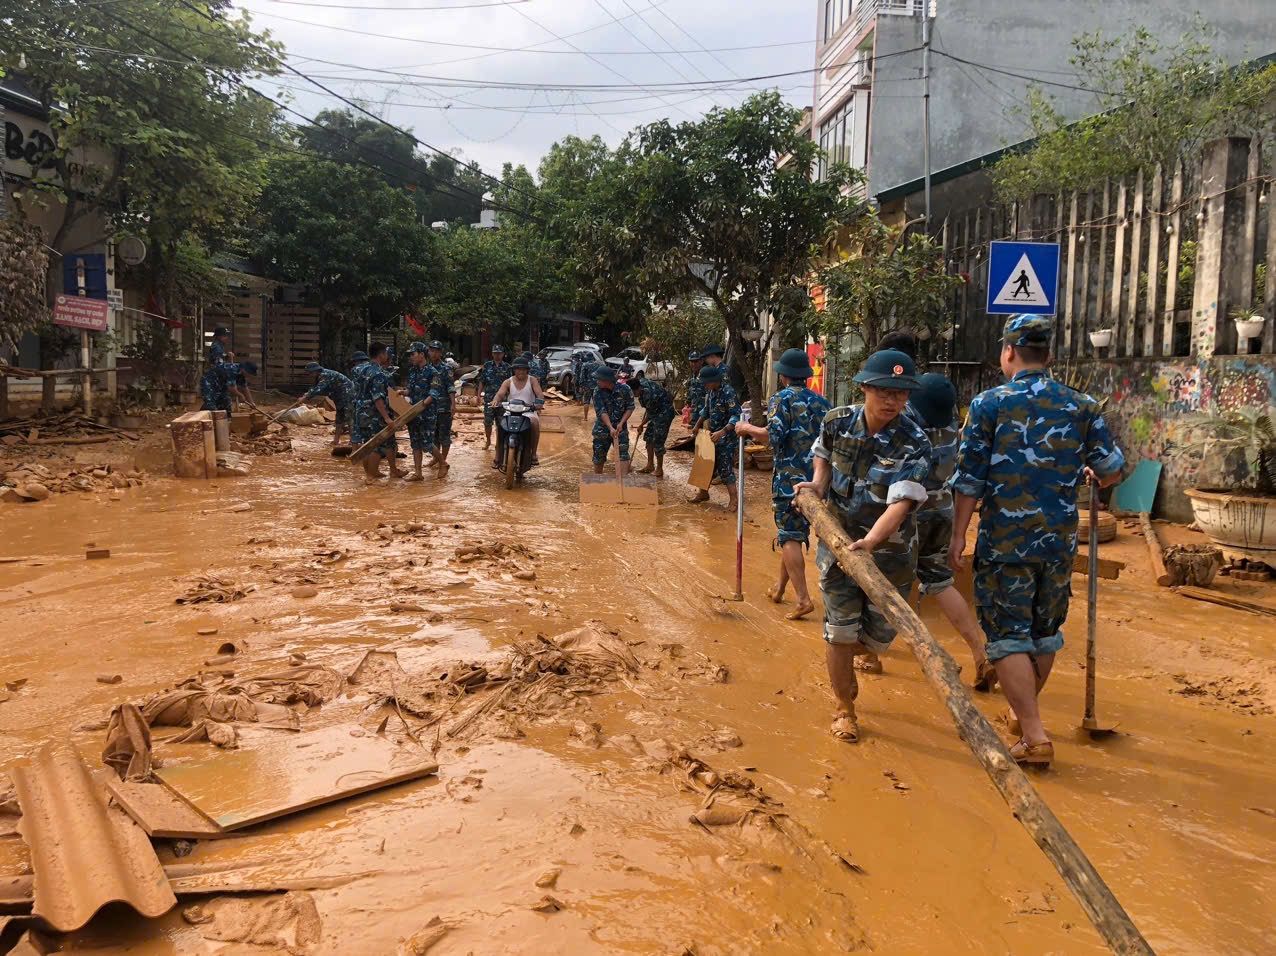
(1150, 403)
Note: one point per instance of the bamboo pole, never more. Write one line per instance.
(1098, 901)
(389, 430)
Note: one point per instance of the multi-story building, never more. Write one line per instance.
(985, 53)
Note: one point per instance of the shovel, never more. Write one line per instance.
(1090, 723)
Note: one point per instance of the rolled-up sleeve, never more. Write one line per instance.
(909, 479)
(819, 449)
(970, 477)
(906, 491)
(1102, 453)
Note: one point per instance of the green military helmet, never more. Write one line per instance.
(935, 399)
(1035, 331)
(416, 347)
(794, 364)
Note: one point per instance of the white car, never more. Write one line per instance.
(656, 371)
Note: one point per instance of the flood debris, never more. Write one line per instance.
(209, 588)
(548, 904)
(97, 554)
(549, 879)
(420, 943)
(289, 922)
(32, 481)
(109, 678)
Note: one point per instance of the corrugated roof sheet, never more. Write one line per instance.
(84, 853)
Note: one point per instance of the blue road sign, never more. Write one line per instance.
(1023, 277)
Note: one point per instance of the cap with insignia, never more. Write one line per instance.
(1031, 330)
(889, 368)
(313, 367)
(416, 347)
(436, 344)
(358, 357)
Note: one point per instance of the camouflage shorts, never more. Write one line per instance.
(1022, 607)
(790, 523)
(657, 433)
(343, 415)
(364, 428)
(724, 454)
(443, 428)
(934, 532)
(848, 617)
(421, 430)
(602, 444)
(489, 411)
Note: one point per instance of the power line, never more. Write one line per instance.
(663, 57)
(1020, 76)
(350, 6)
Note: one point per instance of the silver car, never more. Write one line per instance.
(559, 358)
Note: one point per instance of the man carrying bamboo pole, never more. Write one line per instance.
(1026, 447)
(871, 461)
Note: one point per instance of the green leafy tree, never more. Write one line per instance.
(24, 264)
(886, 277)
(347, 233)
(152, 123)
(1156, 103)
(708, 209)
(674, 332)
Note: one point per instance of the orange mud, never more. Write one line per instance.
(1176, 811)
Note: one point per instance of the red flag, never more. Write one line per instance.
(416, 327)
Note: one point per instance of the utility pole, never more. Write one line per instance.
(926, 8)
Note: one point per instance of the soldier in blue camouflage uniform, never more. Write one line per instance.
(578, 364)
(933, 407)
(494, 371)
(221, 343)
(331, 384)
(874, 460)
(721, 413)
(795, 415)
(695, 391)
(613, 404)
(372, 411)
(220, 381)
(1026, 446)
(540, 371)
(441, 392)
(420, 388)
(589, 382)
(657, 416)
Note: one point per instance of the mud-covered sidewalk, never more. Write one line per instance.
(660, 780)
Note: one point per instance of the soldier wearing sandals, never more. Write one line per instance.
(1027, 445)
(871, 462)
(794, 417)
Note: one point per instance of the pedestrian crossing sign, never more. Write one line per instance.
(1023, 277)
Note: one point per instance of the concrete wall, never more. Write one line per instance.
(973, 111)
(1150, 403)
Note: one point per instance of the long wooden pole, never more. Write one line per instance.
(388, 430)
(1155, 552)
(1098, 901)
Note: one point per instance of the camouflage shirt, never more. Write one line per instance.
(655, 400)
(216, 353)
(794, 417)
(695, 396)
(214, 386)
(441, 386)
(420, 382)
(721, 409)
(334, 385)
(613, 403)
(540, 369)
(1022, 452)
(873, 472)
(589, 374)
(491, 375)
(943, 446)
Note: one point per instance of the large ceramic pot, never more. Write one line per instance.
(1239, 521)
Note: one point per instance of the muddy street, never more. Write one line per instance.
(569, 816)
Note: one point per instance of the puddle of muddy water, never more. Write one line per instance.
(1164, 809)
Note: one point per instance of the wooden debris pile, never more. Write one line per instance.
(209, 588)
(67, 428)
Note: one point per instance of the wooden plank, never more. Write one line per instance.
(48, 393)
(1155, 552)
(1135, 333)
(1115, 320)
(1269, 295)
(1156, 225)
(1172, 260)
(279, 776)
(1226, 600)
(159, 812)
(1069, 285)
(1102, 319)
(1109, 569)
(1087, 885)
(389, 430)
(1083, 287)
(194, 445)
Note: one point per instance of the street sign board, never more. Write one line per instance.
(115, 298)
(1023, 277)
(80, 312)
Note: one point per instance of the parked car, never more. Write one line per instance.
(559, 358)
(656, 371)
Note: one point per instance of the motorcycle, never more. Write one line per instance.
(514, 436)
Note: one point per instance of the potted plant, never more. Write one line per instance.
(1249, 323)
(1101, 338)
(1242, 518)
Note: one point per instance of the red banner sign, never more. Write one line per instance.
(815, 355)
(79, 312)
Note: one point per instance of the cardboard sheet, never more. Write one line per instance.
(702, 466)
(283, 775)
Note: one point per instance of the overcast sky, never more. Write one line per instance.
(494, 125)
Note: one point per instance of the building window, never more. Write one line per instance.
(836, 12)
(837, 134)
